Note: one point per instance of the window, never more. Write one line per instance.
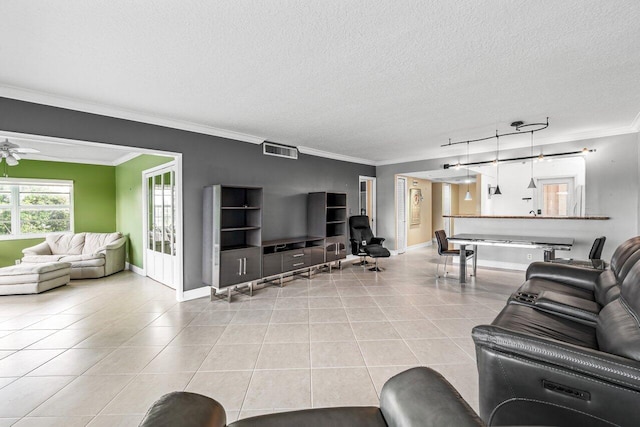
(32, 208)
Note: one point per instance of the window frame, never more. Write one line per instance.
(14, 206)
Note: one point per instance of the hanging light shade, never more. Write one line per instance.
(467, 196)
(497, 163)
(532, 184)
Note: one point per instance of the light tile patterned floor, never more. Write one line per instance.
(99, 352)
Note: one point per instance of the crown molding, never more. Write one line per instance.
(334, 156)
(120, 113)
(125, 158)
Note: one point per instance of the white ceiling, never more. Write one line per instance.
(378, 80)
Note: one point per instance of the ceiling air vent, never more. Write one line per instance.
(279, 150)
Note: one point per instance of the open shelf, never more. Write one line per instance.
(239, 229)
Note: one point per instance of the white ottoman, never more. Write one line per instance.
(33, 278)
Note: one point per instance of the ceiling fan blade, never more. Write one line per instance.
(15, 156)
(25, 150)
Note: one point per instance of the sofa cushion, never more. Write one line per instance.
(86, 260)
(27, 259)
(618, 327)
(96, 241)
(526, 319)
(66, 244)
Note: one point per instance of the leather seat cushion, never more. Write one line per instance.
(334, 417)
(377, 251)
(535, 286)
(525, 319)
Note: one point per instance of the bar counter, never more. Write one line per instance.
(585, 217)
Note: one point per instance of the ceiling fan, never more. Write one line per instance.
(11, 153)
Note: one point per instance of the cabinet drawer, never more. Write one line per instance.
(295, 263)
(296, 254)
(316, 256)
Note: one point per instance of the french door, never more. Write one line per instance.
(367, 200)
(160, 224)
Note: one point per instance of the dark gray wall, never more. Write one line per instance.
(612, 186)
(206, 160)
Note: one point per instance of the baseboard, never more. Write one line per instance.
(205, 291)
(419, 246)
(135, 269)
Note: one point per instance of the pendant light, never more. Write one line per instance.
(467, 196)
(532, 184)
(497, 192)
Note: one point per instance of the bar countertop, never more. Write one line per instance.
(585, 217)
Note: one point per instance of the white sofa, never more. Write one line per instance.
(91, 255)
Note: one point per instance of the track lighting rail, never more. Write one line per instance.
(518, 125)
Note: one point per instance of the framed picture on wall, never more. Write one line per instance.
(415, 199)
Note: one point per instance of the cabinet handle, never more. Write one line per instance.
(240, 267)
(245, 266)
(298, 255)
(298, 264)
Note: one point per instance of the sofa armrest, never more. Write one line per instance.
(579, 277)
(186, 410)
(422, 397)
(39, 249)
(115, 254)
(586, 361)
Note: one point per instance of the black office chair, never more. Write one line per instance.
(444, 251)
(363, 243)
(594, 256)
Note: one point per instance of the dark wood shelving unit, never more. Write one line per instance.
(327, 217)
(232, 235)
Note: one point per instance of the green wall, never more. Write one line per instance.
(94, 201)
(129, 201)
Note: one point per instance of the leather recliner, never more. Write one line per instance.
(538, 368)
(363, 242)
(416, 397)
(574, 292)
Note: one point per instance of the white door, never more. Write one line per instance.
(446, 207)
(368, 200)
(160, 250)
(401, 215)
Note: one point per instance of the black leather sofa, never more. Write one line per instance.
(565, 350)
(416, 397)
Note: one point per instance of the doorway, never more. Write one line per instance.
(367, 200)
(446, 207)
(401, 215)
(160, 223)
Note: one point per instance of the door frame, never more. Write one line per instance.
(176, 163)
(400, 250)
(374, 216)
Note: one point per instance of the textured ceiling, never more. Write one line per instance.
(380, 80)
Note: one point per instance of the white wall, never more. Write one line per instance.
(514, 180)
(612, 188)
